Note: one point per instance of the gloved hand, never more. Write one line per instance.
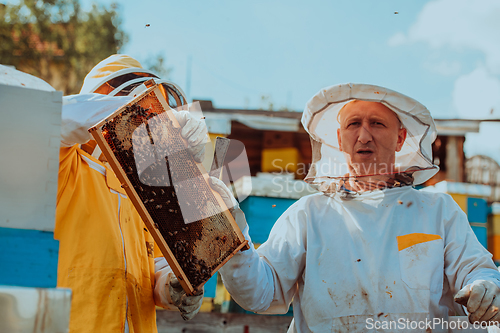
(187, 305)
(482, 299)
(229, 200)
(168, 292)
(195, 132)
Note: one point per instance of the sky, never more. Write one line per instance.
(245, 54)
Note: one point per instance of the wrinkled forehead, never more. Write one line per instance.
(360, 108)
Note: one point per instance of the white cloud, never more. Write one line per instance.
(485, 142)
(464, 25)
(461, 25)
(397, 40)
(445, 68)
(476, 93)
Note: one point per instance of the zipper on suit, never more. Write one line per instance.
(126, 329)
(101, 169)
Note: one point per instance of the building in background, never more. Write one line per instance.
(275, 141)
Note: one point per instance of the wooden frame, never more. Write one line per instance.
(95, 131)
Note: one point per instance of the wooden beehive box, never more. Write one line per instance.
(188, 220)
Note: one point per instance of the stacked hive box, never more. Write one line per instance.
(477, 213)
(29, 146)
(279, 153)
(472, 199)
(28, 184)
(494, 232)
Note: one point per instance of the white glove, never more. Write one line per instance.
(482, 299)
(229, 200)
(187, 305)
(195, 132)
(168, 292)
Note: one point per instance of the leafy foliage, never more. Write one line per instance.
(56, 41)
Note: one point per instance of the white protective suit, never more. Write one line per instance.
(395, 255)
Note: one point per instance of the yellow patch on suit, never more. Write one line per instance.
(413, 239)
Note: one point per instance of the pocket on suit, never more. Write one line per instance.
(421, 261)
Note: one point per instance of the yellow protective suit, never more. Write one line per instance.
(106, 255)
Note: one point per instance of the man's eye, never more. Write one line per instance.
(354, 123)
(377, 123)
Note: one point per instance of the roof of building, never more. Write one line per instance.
(220, 119)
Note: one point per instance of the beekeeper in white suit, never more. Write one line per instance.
(370, 253)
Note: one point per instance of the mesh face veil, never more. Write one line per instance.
(330, 170)
(122, 75)
(112, 72)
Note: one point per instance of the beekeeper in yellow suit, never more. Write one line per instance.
(106, 255)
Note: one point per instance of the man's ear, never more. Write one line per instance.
(338, 139)
(401, 138)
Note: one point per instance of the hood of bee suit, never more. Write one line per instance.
(112, 76)
(113, 67)
(320, 121)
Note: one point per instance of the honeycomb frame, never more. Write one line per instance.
(194, 251)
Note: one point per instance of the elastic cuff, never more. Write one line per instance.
(162, 292)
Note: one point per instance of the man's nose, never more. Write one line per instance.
(364, 135)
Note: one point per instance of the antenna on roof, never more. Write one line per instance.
(188, 77)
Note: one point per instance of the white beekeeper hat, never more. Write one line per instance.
(320, 121)
(114, 66)
(117, 73)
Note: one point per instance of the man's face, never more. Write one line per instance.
(370, 134)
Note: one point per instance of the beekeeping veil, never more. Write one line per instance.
(119, 76)
(122, 75)
(112, 72)
(329, 171)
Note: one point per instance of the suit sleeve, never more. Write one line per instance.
(163, 275)
(265, 280)
(466, 260)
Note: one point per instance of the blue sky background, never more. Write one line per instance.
(444, 53)
(288, 51)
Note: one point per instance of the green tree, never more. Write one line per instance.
(57, 41)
